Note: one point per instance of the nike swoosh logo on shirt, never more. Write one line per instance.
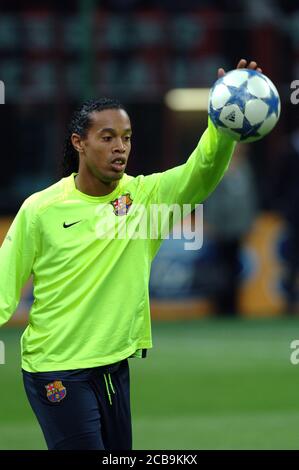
(69, 225)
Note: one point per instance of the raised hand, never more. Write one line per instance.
(242, 65)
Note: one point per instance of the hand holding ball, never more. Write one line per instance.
(245, 104)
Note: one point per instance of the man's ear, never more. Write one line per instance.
(77, 142)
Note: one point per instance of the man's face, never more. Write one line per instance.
(105, 149)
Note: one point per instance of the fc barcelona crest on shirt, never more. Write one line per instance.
(55, 391)
(122, 204)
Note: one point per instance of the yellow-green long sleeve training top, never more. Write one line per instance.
(91, 297)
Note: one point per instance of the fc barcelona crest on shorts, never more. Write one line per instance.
(55, 391)
(122, 204)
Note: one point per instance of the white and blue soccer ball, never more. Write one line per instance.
(245, 104)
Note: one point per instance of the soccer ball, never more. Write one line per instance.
(245, 104)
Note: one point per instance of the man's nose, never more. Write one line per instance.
(119, 146)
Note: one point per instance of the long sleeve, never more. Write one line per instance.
(192, 182)
(16, 260)
(187, 184)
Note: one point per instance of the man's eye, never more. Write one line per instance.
(107, 138)
(127, 138)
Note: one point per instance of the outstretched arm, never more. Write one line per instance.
(192, 182)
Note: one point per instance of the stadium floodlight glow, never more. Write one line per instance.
(188, 99)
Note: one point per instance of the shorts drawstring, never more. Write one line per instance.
(107, 387)
(110, 382)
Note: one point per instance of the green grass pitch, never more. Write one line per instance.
(207, 384)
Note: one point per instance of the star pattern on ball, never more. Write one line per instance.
(215, 114)
(273, 104)
(248, 130)
(239, 95)
(241, 113)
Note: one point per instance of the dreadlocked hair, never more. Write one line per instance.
(80, 124)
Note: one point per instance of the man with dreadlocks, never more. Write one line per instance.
(91, 301)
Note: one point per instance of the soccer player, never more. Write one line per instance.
(91, 301)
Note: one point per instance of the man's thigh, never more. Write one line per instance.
(112, 388)
(66, 409)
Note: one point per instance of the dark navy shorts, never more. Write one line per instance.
(83, 409)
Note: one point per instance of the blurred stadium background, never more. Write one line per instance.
(220, 374)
